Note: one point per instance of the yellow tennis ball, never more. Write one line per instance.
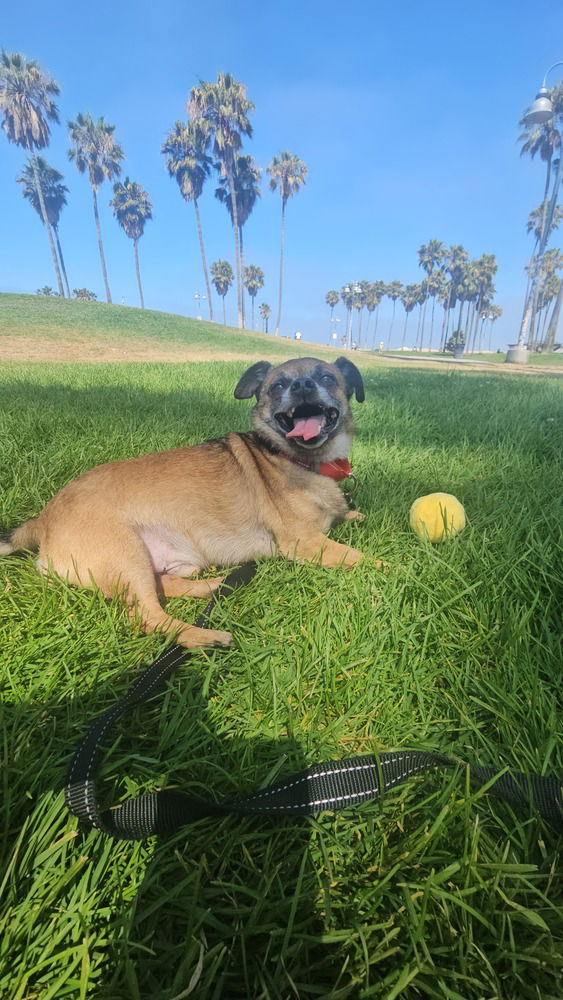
(437, 516)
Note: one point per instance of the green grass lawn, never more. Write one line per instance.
(439, 891)
(60, 319)
(554, 360)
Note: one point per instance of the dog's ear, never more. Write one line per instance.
(251, 382)
(352, 378)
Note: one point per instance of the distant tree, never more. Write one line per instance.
(332, 299)
(95, 152)
(188, 163)
(265, 313)
(84, 294)
(224, 106)
(536, 220)
(54, 196)
(246, 174)
(393, 291)
(48, 291)
(27, 108)
(289, 173)
(409, 298)
(132, 208)
(253, 282)
(222, 278)
(347, 299)
(374, 297)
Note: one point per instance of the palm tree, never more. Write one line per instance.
(376, 291)
(253, 282)
(455, 263)
(347, 298)
(536, 220)
(483, 271)
(265, 313)
(132, 208)
(409, 298)
(222, 278)
(289, 173)
(188, 163)
(95, 152)
(54, 196)
(27, 106)
(435, 287)
(544, 139)
(431, 255)
(224, 106)
(246, 174)
(332, 299)
(393, 291)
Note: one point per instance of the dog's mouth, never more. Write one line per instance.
(310, 422)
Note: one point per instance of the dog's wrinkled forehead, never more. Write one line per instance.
(299, 368)
(260, 377)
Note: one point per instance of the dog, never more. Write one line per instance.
(145, 525)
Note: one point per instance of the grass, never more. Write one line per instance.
(57, 319)
(554, 360)
(439, 891)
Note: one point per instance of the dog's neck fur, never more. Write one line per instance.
(332, 468)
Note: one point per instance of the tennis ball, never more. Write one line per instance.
(437, 516)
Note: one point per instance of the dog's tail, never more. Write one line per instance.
(25, 537)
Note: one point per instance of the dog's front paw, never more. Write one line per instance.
(354, 515)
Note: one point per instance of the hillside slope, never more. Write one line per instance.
(33, 327)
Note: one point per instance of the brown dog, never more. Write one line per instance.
(145, 524)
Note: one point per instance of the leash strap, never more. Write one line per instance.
(336, 784)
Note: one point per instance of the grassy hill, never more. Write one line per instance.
(63, 321)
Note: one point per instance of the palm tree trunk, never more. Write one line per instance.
(138, 272)
(242, 302)
(404, 329)
(432, 323)
(554, 321)
(47, 224)
(392, 322)
(224, 313)
(100, 244)
(253, 299)
(529, 307)
(282, 242)
(203, 260)
(62, 260)
(229, 169)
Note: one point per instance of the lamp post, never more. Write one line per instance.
(333, 334)
(539, 113)
(198, 299)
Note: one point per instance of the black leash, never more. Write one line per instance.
(333, 785)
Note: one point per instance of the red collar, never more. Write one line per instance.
(338, 469)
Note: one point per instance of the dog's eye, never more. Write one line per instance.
(278, 386)
(328, 379)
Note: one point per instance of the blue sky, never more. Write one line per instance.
(406, 115)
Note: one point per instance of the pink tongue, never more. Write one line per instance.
(306, 428)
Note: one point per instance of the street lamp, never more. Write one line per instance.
(333, 335)
(542, 109)
(198, 299)
(539, 113)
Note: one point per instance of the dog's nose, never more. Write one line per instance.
(302, 385)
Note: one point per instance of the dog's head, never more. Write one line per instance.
(303, 405)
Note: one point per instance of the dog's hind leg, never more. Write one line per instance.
(112, 556)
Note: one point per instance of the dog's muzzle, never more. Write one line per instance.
(308, 423)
